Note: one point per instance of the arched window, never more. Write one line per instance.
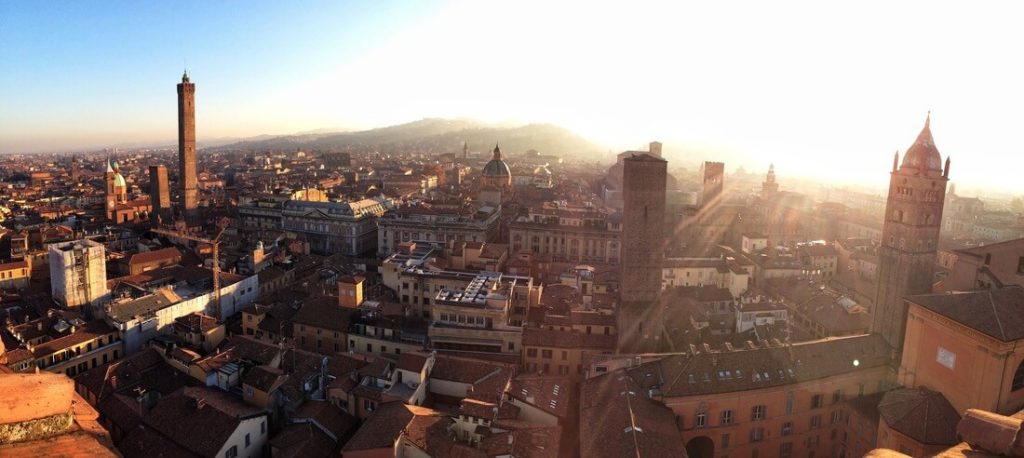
(1018, 378)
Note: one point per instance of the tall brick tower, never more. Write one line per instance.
(187, 150)
(643, 239)
(714, 181)
(910, 234)
(159, 195)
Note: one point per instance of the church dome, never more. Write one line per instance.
(923, 155)
(497, 167)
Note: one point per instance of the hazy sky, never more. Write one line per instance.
(821, 89)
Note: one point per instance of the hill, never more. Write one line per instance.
(435, 135)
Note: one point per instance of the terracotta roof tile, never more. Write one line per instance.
(922, 415)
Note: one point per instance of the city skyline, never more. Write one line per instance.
(803, 94)
(547, 263)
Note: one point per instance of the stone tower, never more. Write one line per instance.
(187, 150)
(714, 181)
(159, 195)
(643, 239)
(654, 148)
(910, 234)
(769, 187)
(116, 190)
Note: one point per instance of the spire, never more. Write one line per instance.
(497, 152)
(184, 76)
(945, 173)
(928, 119)
(109, 168)
(895, 160)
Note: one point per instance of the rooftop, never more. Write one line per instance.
(998, 313)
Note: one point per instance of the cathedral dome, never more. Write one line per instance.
(497, 167)
(923, 155)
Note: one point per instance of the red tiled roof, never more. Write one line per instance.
(162, 254)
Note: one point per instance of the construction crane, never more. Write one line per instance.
(215, 244)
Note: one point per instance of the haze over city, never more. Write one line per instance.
(821, 91)
(511, 230)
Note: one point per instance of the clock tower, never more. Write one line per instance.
(910, 234)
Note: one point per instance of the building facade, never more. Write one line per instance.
(573, 233)
(348, 228)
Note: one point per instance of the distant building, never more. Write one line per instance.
(713, 174)
(335, 159)
(415, 223)
(495, 180)
(146, 305)
(988, 266)
(770, 187)
(910, 236)
(558, 345)
(347, 228)
(78, 273)
(116, 193)
(482, 315)
(574, 233)
(15, 275)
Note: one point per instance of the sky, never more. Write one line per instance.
(826, 90)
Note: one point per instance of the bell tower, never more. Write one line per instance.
(910, 234)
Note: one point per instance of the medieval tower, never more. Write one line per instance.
(910, 234)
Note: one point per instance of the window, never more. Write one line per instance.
(247, 441)
(816, 422)
(248, 391)
(531, 352)
(565, 354)
(725, 441)
(232, 452)
(726, 418)
(263, 427)
(946, 358)
(756, 434)
(837, 396)
(816, 401)
(700, 420)
(757, 413)
(785, 449)
(546, 354)
(1020, 265)
(789, 403)
(787, 428)
(836, 416)
(1018, 378)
